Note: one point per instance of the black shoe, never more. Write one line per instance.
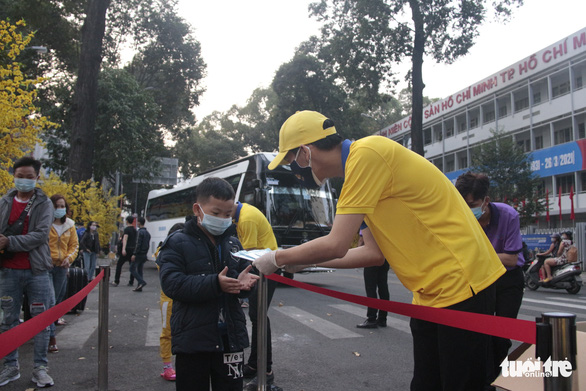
(381, 322)
(368, 324)
(249, 372)
(139, 287)
(270, 380)
(130, 284)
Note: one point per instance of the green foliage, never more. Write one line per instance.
(511, 179)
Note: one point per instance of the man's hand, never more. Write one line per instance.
(65, 264)
(3, 242)
(246, 279)
(132, 258)
(228, 284)
(124, 252)
(267, 263)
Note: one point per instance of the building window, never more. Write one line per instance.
(449, 128)
(563, 136)
(521, 104)
(565, 182)
(524, 145)
(560, 89)
(488, 117)
(537, 98)
(473, 122)
(462, 127)
(539, 142)
(438, 135)
(438, 163)
(502, 111)
(581, 130)
(450, 165)
(427, 136)
(463, 162)
(583, 180)
(578, 82)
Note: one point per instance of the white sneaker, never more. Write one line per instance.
(8, 374)
(41, 377)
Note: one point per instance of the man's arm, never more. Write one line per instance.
(508, 260)
(367, 255)
(124, 241)
(334, 245)
(36, 236)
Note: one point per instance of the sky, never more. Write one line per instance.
(244, 43)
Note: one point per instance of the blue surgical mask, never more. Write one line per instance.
(59, 213)
(215, 225)
(479, 210)
(24, 185)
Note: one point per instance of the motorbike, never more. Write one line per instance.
(563, 277)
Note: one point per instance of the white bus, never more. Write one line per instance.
(296, 214)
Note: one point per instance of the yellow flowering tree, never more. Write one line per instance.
(20, 120)
(87, 202)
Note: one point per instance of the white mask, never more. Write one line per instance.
(215, 225)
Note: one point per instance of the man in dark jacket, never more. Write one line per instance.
(138, 259)
(204, 280)
(26, 214)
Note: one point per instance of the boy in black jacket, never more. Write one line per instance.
(204, 280)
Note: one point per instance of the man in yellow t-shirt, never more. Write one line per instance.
(255, 232)
(418, 221)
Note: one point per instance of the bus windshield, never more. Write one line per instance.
(296, 207)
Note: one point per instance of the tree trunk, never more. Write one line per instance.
(417, 80)
(86, 92)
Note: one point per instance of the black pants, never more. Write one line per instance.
(121, 260)
(194, 371)
(509, 295)
(253, 313)
(448, 358)
(376, 278)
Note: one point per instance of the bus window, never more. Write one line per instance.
(170, 206)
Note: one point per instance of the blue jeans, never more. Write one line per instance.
(89, 264)
(58, 276)
(136, 268)
(13, 284)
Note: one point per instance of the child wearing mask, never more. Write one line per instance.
(204, 280)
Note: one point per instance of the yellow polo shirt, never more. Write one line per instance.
(421, 223)
(254, 230)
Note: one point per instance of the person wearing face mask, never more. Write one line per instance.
(26, 214)
(64, 247)
(501, 224)
(400, 196)
(90, 247)
(138, 259)
(204, 280)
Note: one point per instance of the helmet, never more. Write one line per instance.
(556, 236)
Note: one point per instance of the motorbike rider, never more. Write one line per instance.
(562, 255)
(556, 239)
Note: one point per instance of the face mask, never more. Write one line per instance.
(215, 225)
(24, 185)
(478, 211)
(59, 213)
(304, 176)
(315, 180)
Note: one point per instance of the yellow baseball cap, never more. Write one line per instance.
(303, 127)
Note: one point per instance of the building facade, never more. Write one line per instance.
(540, 101)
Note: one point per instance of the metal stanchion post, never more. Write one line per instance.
(261, 364)
(560, 351)
(103, 330)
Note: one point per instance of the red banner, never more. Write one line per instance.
(16, 336)
(519, 330)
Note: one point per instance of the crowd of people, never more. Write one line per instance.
(451, 246)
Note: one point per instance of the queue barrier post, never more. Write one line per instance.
(557, 342)
(103, 329)
(261, 339)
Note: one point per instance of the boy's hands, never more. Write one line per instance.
(245, 281)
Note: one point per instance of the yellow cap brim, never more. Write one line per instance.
(278, 160)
